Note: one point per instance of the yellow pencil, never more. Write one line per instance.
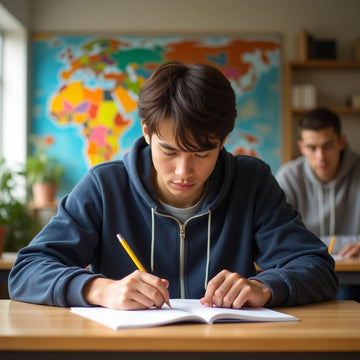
(331, 245)
(130, 253)
(134, 258)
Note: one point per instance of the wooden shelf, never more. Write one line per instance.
(338, 109)
(326, 64)
(335, 80)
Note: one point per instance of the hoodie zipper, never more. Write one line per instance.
(182, 257)
(182, 247)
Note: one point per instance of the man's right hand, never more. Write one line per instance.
(138, 290)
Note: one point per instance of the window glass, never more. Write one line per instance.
(1, 91)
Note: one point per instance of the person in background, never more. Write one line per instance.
(196, 216)
(324, 185)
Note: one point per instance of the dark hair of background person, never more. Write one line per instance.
(319, 119)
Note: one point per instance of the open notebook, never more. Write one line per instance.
(181, 310)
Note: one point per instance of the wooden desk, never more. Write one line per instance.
(325, 331)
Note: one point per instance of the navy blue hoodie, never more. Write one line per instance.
(244, 219)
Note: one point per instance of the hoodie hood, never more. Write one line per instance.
(326, 193)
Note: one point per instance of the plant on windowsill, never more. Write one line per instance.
(43, 172)
(17, 227)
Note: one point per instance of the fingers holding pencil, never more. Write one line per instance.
(150, 279)
(133, 292)
(144, 290)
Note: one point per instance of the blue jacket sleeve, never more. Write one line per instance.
(52, 269)
(298, 271)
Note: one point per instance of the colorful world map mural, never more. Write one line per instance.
(85, 89)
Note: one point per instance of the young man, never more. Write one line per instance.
(324, 183)
(196, 216)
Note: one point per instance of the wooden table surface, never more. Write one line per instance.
(352, 264)
(324, 327)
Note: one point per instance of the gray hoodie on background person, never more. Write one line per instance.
(331, 209)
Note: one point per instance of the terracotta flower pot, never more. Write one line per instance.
(44, 193)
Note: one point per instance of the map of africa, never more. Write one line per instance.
(85, 89)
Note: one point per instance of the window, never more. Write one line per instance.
(13, 92)
(1, 89)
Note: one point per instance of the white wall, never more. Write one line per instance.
(20, 9)
(339, 19)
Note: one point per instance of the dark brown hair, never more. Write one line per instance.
(318, 119)
(199, 100)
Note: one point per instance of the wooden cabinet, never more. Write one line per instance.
(335, 83)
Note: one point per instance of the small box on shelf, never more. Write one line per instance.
(304, 96)
(310, 48)
(324, 49)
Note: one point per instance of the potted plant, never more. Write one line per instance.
(43, 172)
(17, 227)
(6, 200)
